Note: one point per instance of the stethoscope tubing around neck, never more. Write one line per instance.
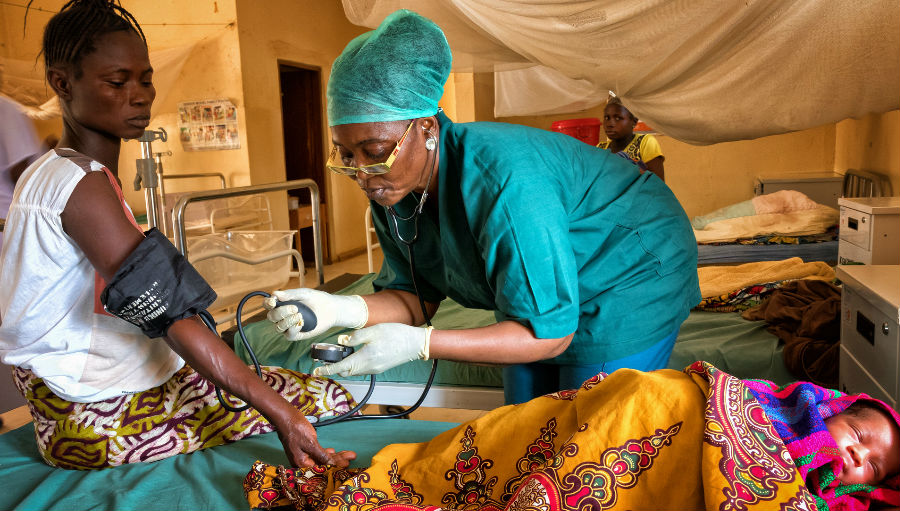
(417, 211)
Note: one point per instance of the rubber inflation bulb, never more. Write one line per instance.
(309, 317)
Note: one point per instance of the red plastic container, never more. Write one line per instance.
(587, 129)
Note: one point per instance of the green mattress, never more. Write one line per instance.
(742, 348)
(208, 479)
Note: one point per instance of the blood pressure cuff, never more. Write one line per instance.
(156, 286)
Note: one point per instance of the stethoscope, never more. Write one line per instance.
(331, 352)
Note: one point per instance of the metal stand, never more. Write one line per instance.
(147, 177)
(159, 171)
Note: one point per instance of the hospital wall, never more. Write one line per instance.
(870, 143)
(309, 34)
(204, 38)
(240, 62)
(251, 44)
(210, 60)
(231, 50)
(200, 38)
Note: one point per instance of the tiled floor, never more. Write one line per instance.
(358, 265)
(14, 418)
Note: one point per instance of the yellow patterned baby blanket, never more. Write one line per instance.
(695, 439)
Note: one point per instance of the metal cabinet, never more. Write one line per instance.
(869, 231)
(822, 187)
(870, 331)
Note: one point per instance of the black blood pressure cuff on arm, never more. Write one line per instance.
(156, 286)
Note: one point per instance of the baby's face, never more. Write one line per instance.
(869, 443)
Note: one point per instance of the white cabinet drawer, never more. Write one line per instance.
(856, 228)
(871, 336)
(854, 379)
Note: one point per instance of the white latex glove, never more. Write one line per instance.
(330, 310)
(379, 348)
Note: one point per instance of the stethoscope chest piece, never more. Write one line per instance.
(329, 353)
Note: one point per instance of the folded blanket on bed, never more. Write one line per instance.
(777, 202)
(776, 239)
(738, 288)
(721, 280)
(791, 224)
(784, 213)
(696, 439)
(738, 300)
(805, 314)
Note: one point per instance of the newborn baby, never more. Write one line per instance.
(868, 441)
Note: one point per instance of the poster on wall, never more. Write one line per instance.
(208, 125)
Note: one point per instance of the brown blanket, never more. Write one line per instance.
(805, 314)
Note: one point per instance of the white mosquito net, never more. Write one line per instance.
(701, 71)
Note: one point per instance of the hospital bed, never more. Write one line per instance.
(208, 479)
(229, 238)
(250, 212)
(822, 246)
(742, 348)
(211, 479)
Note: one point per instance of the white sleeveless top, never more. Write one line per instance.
(52, 321)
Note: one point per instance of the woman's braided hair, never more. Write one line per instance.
(70, 33)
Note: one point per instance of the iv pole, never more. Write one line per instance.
(147, 177)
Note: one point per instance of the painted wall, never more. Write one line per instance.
(211, 69)
(706, 178)
(871, 143)
(457, 100)
(205, 29)
(310, 33)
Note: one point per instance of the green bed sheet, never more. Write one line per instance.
(742, 348)
(211, 479)
(205, 480)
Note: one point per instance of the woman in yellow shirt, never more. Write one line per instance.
(643, 150)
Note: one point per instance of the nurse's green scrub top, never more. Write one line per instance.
(552, 233)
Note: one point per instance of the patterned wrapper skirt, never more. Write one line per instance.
(180, 416)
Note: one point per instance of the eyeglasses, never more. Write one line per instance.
(374, 169)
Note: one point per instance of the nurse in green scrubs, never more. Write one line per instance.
(589, 265)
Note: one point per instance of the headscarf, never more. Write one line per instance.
(798, 412)
(395, 72)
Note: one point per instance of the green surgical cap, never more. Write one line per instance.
(392, 73)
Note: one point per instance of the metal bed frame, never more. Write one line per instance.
(440, 396)
(862, 183)
(205, 195)
(180, 234)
